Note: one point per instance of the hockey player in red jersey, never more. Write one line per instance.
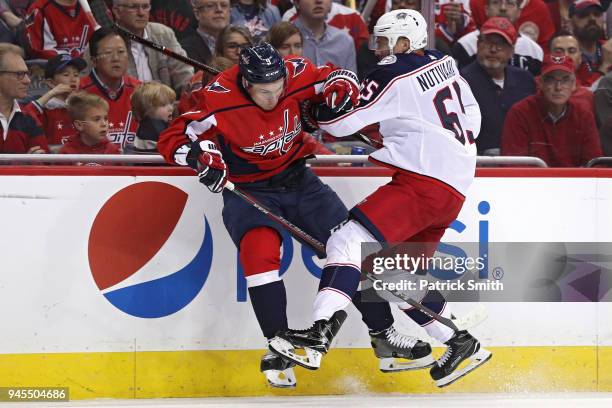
(252, 111)
(428, 120)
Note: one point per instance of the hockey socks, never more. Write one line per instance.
(270, 304)
(436, 302)
(375, 314)
(337, 286)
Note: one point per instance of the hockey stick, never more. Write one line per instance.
(470, 319)
(164, 50)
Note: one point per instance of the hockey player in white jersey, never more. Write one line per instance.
(429, 119)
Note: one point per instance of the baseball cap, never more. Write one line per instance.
(501, 26)
(557, 62)
(578, 6)
(60, 61)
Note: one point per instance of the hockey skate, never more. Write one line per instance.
(390, 345)
(314, 341)
(278, 371)
(461, 347)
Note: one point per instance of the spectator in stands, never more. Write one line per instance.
(324, 43)
(342, 17)
(587, 25)
(109, 80)
(495, 84)
(153, 106)
(89, 113)
(231, 40)
(550, 125)
(62, 73)
(256, 15)
(144, 63)
(527, 53)
(534, 18)
(190, 98)
(452, 19)
(20, 131)
(57, 26)
(603, 111)
(286, 38)
(212, 16)
(10, 20)
(179, 15)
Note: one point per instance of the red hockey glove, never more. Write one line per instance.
(208, 162)
(341, 90)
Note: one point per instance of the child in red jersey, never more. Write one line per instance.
(62, 74)
(89, 113)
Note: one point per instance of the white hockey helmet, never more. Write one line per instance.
(401, 23)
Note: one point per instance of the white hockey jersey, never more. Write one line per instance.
(428, 117)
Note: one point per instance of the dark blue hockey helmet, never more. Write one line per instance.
(261, 64)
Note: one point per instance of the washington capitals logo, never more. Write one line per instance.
(274, 141)
(216, 87)
(299, 65)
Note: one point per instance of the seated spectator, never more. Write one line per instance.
(257, 16)
(550, 125)
(588, 27)
(20, 131)
(212, 16)
(63, 75)
(342, 17)
(496, 84)
(89, 113)
(452, 19)
(57, 27)
(190, 98)
(324, 43)
(10, 21)
(535, 19)
(231, 40)
(527, 53)
(153, 106)
(286, 38)
(109, 80)
(179, 15)
(145, 63)
(603, 111)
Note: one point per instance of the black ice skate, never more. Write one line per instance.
(462, 346)
(390, 344)
(278, 371)
(315, 341)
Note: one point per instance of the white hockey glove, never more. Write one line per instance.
(341, 90)
(207, 161)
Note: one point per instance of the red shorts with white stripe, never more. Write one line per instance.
(410, 208)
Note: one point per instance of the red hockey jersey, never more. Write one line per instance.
(52, 29)
(54, 120)
(122, 124)
(256, 144)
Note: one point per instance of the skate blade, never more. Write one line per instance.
(311, 360)
(281, 378)
(476, 360)
(392, 365)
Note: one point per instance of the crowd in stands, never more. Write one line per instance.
(541, 70)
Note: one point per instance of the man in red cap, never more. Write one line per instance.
(550, 125)
(496, 84)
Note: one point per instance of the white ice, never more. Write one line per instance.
(573, 400)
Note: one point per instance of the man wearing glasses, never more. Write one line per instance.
(212, 16)
(145, 64)
(20, 132)
(550, 125)
(57, 27)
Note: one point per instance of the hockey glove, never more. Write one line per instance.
(308, 116)
(207, 161)
(341, 90)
